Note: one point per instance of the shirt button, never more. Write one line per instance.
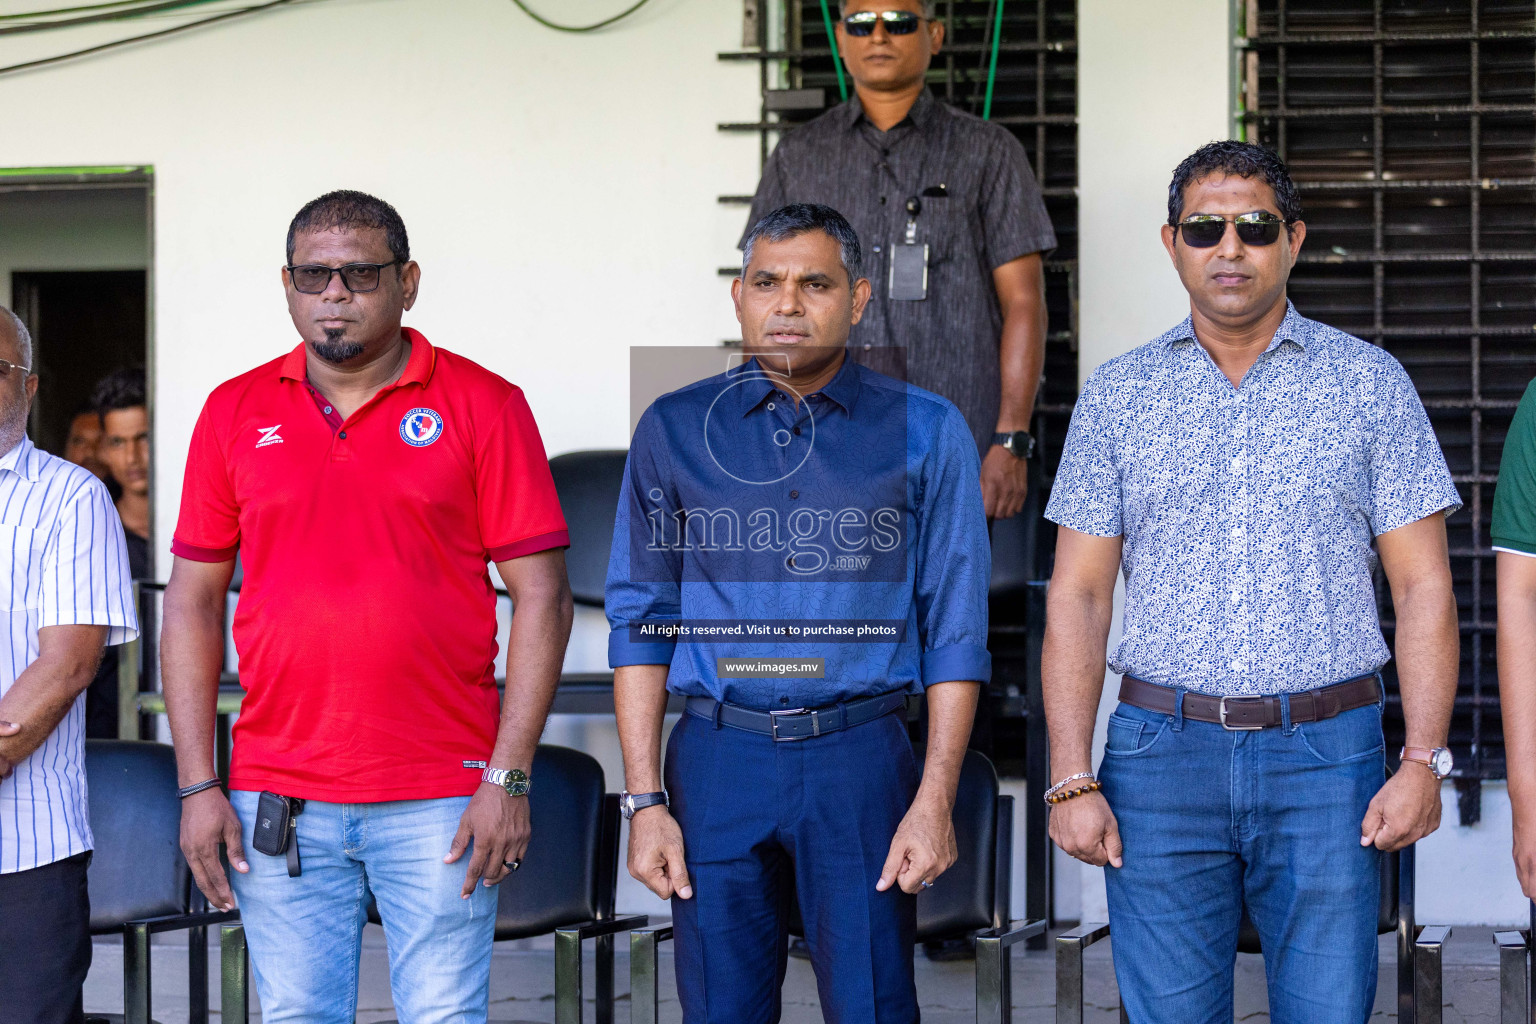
(770, 405)
(794, 494)
(797, 431)
(868, 346)
(877, 248)
(327, 410)
(343, 435)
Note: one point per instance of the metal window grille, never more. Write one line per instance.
(1410, 127)
(1034, 96)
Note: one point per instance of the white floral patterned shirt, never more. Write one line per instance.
(1248, 512)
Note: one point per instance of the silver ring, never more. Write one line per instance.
(925, 885)
(512, 865)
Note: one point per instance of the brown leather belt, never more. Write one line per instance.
(1243, 712)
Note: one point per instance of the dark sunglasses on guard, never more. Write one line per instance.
(897, 23)
(1205, 230)
(314, 278)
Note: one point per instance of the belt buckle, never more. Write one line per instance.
(1222, 709)
(777, 716)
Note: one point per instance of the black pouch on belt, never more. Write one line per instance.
(277, 829)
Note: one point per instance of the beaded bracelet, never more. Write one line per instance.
(1067, 781)
(1092, 786)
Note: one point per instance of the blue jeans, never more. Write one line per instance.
(305, 933)
(1212, 820)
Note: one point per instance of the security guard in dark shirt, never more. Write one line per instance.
(953, 224)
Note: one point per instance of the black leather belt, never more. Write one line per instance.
(1243, 712)
(799, 723)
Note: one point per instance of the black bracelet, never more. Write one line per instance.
(187, 791)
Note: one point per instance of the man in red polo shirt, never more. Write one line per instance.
(366, 478)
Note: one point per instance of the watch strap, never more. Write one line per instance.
(633, 802)
(1425, 756)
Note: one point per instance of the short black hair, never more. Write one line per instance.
(1243, 159)
(798, 218)
(930, 8)
(124, 389)
(345, 208)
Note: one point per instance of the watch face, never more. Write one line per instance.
(517, 782)
(1443, 762)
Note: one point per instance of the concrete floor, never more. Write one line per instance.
(522, 984)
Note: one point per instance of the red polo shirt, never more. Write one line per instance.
(367, 622)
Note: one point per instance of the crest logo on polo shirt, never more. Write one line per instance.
(420, 427)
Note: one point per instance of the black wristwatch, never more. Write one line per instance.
(629, 802)
(1020, 444)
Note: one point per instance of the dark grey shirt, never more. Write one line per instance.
(991, 213)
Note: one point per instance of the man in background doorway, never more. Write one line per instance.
(122, 421)
(82, 441)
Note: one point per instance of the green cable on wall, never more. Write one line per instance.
(997, 40)
(837, 60)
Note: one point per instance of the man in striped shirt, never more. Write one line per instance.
(65, 588)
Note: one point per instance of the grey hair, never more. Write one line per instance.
(930, 8)
(23, 337)
(798, 218)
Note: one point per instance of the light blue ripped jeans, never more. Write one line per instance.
(305, 933)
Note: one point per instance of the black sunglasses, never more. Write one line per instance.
(1204, 230)
(314, 278)
(897, 23)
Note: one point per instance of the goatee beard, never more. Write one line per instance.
(333, 349)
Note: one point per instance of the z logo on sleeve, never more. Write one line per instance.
(269, 435)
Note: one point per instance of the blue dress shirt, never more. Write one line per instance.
(848, 529)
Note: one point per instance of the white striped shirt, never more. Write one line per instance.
(62, 562)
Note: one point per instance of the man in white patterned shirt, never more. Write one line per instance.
(66, 590)
(1241, 467)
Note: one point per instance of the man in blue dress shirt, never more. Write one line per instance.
(800, 546)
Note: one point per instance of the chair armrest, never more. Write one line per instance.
(1013, 935)
(607, 926)
(1432, 935)
(177, 922)
(1084, 935)
(1509, 940)
(658, 932)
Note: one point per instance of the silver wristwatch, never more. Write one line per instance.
(629, 802)
(514, 780)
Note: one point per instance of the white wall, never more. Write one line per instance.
(559, 190)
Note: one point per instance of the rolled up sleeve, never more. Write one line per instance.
(954, 559)
(643, 588)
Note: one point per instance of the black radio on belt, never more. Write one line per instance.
(277, 829)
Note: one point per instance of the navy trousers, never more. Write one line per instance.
(764, 820)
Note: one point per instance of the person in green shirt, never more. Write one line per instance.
(1514, 540)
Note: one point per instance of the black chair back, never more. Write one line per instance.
(966, 901)
(588, 484)
(137, 870)
(568, 874)
(1386, 907)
